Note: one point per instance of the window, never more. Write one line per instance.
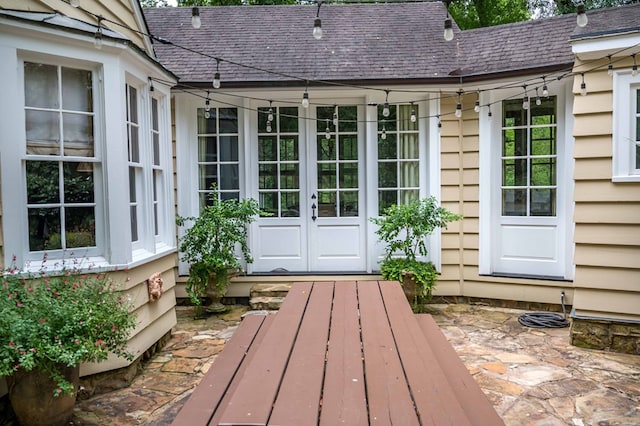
(529, 181)
(135, 163)
(279, 161)
(337, 157)
(60, 157)
(626, 128)
(398, 156)
(158, 175)
(218, 162)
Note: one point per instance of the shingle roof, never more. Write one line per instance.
(369, 43)
(613, 20)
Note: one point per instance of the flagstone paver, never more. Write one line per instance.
(531, 376)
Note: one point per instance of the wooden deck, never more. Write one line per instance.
(346, 352)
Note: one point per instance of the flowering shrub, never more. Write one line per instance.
(67, 318)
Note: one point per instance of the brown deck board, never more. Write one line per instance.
(387, 391)
(434, 398)
(253, 399)
(343, 397)
(208, 394)
(299, 396)
(476, 404)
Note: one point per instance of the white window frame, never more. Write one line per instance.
(625, 112)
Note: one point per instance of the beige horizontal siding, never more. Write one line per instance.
(620, 235)
(624, 279)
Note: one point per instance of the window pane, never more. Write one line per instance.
(348, 175)
(267, 149)
(406, 196)
(156, 149)
(543, 172)
(43, 132)
(514, 114)
(389, 122)
(207, 125)
(41, 86)
(154, 115)
(289, 176)
(409, 146)
(132, 185)
(80, 224)
(133, 105)
(514, 142)
(78, 183)
(228, 120)
(387, 175)
(208, 176)
(514, 202)
(404, 112)
(134, 223)
(326, 149)
(543, 202)
(78, 135)
(44, 229)
(409, 174)
(229, 177)
(387, 148)
(327, 176)
(324, 117)
(228, 148)
(543, 141)
(386, 199)
(268, 176)
(348, 119)
(288, 119)
(348, 147)
(77, 90)
(545, 113)
(207, 149)
(349, 203)
(269, 202)
(290, 204)
(514, 172)
(263, 115)
(134, 144)
(327, 204)
(43, 182)
(289, 148)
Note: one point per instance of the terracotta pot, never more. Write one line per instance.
(33, 401)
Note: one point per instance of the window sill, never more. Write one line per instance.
(625, 178)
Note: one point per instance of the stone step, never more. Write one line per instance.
(268, 296)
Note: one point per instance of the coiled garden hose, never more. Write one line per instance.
(545, 319)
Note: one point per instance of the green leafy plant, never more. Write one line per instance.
(403, 229)
(209, 244)
(65, 318)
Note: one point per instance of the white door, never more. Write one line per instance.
(310, 179)
(529, 230)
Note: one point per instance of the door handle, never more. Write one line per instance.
(313, 208)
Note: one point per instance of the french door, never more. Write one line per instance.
(310, 180)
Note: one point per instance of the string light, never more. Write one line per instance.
(538, 100)
(609, 66)
(581, 17)
(545, 89)
(489, 114)
(97, 38)
(335, 116)
(75, 3)
(439, 122)
(207, 107)
(384, 132)
(270, 114)
(317, 23)
(448, 24)
(385, 109)
(583, 86)
(476, 107)
(216, 75)
(305, 99)
(525, 100)
(327, 131)
(413, 113)
(269, 127)
(195, 18)
(458, 112)
(151, 88)
(634, 68)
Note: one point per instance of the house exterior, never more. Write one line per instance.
(493, 124)
(86, 167)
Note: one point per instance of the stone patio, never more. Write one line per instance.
(532, 376)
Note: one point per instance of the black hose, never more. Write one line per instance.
(545, 319)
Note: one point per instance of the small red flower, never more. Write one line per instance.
(12, 344)
(19, 304)
(43, 320)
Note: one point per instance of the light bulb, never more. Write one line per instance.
(476, 108)
(489, 114)
(583, 89)
(317, 29)
(634, 70)
(305, 100)
(581, 18)
(335, 119)
(216, 80)
(195, 18)
(545, 91)
(270, 115)
(413, 115)
(97, 39)
(538, 101)
(448, 29)
(207, 107)
(459, 110)
(327, 133)
(75, 3)
(384, 133)
(207, 114)
(525, 103)
(385, 110)
(269, 127)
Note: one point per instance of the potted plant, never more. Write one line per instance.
(403, 229)
(209, 246)
(49, 325)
